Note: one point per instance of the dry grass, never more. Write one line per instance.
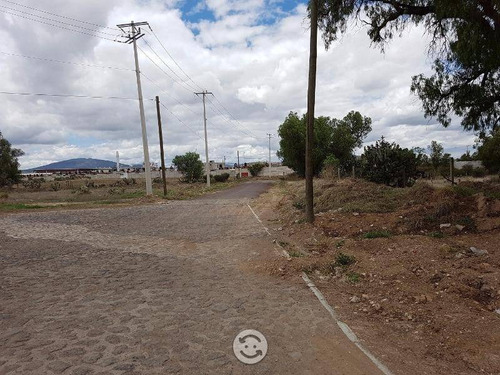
(73, 193)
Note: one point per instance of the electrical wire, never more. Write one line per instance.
(58, 15)
(164, 63)
(160, 68)
(62, 27)
(66, 62)
(94, 30)
(171, 57)
(64, 95)
(182, 122)
(166, 93)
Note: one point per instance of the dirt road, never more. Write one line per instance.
(157, 289)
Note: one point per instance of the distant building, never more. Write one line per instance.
(67, 171)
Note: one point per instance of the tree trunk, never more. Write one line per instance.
(311, 97)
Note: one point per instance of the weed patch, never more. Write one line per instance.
(377, 234)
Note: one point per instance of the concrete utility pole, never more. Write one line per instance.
(133, 35)
(207, 162)
(117, 162)
(162, 154)
(311, 98)
(269, 135)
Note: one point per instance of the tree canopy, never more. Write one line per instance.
(9, 166)
(465, 43)
(332, 137)
(489, 152)
(190, 165)
(389, 164)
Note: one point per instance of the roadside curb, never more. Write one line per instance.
(348, 332)
(343, 326)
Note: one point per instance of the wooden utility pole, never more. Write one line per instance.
(311, 97)
(162, 154)
(452, 171)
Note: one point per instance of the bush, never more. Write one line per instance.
(344, 260)
(33, 183)
(478, 172)
(256, 168)
(190, 165)
(377, 234)
(56, 186)
(389, 164)
(221, 177)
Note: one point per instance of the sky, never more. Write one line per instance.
(252, 55)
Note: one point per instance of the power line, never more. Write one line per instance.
(160, 68)
(61, 27)
(247, 133)
(166, 93)
(164, 63)
(58, 15)
(53, 20)
(65, 95)
(65, 62)
(182, 122)
(171, 57)
(234, 118)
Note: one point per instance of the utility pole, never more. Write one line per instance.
(207, 162)
(452, 171)
(162, 154)
(133, 35)
(311, 98)
(269, 135)
(239, 167)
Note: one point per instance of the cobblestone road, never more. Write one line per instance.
(156, 289)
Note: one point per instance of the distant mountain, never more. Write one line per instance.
(79, 163)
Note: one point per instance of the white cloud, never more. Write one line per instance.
(258, 70)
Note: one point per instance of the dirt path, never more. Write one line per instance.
(156, 289)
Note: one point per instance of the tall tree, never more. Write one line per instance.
(465, 43)
(332, 137)
(9, 166)
(489, 152)
(190, 165)
(311, 99)
(293, 141)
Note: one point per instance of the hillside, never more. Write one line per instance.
(79, 163)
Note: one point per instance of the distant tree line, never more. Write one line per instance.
(383, 162)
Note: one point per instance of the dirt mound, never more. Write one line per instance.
(423, 288)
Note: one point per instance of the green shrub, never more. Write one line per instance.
(56, 186)
(256, 168)
(344, 260)
(190, 165)
(33, 183)
(299, 205)
(377, 234)
(467, 170)
(479, 172)
(436, 234)
(221, 177)
(353, 277)
(463, 191)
